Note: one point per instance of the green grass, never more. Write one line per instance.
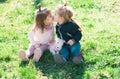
(100, 23)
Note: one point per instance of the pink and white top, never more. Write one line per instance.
(36, 37)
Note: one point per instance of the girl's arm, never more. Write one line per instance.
(30, 36)
(52, 34)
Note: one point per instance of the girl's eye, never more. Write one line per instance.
(50, 16)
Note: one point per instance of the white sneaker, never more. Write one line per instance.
(22, 55)
(37, 55)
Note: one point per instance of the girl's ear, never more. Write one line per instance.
(44, 21)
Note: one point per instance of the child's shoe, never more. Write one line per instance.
(22, 55)
(59, 59)
(37, 55)
(78, 60)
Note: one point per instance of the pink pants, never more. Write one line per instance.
(31, 49)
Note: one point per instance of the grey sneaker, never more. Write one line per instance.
(59, 59)
(78, 60)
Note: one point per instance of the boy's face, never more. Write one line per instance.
(58, 18)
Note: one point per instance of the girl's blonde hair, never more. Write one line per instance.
(40, 17)
(66, 12)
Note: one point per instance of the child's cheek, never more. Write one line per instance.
(56, 18)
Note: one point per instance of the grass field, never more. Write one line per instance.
(100, 23)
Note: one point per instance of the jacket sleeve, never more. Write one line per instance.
(56, 29)
(77, 35)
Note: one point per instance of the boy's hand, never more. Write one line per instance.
(36, 45)
(70, 42)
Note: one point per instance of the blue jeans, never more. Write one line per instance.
(67, 50)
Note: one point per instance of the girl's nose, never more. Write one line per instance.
(53, 17)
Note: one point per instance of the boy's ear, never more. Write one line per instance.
(61, 18)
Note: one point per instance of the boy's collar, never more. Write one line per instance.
(62, 23)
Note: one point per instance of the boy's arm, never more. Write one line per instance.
(77, 34)
(77, 37)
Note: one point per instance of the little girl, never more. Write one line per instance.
(39, 37)
(70, 32)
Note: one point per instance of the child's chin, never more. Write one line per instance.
(55, 20)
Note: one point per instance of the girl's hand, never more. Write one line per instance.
(70, 42)
(51, 41)
(36, 45)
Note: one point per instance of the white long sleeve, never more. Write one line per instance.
(41, 38)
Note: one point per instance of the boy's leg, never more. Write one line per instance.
(65, 52)
(63, 56)
(75, 49)
(77, 55)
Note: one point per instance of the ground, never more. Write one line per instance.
(100, 23)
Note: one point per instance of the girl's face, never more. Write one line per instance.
(49, 19)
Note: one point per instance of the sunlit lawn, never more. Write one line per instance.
(100, 23)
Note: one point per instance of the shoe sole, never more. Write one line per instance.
(36, 56)
(77, 60)
(59, 59)
(22, 55)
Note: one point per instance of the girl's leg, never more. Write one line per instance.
(22, 55)
(30, 51)
(25, 54)
(38, 52)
